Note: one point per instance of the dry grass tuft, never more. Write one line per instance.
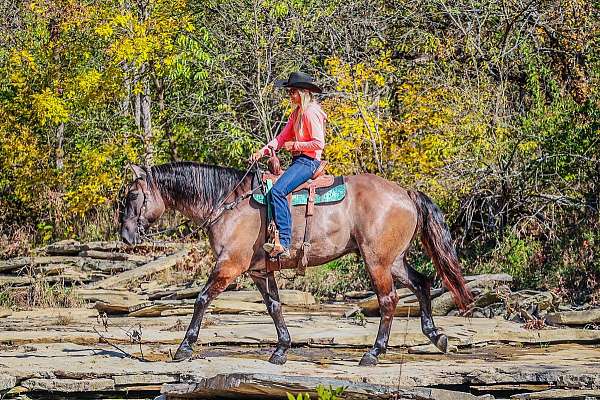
(40, 294)
(64, 319)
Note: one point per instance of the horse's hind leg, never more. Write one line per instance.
(223, 274)
(268, 289)
(420, 286)
(383, 284)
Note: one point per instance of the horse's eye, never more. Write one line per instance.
(132, 196)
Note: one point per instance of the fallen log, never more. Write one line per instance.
(20, 262)
(502, 278)
(120, 246)
(69, 275)
(110, 296)
(155, 309)
(443, 304)
(107, 266)
(358, 294)
(103, 246)
(152, 267)
(115, 256)
(64, 247)
(574, 317)
(121, 308)
(15, 280)
(167, 294)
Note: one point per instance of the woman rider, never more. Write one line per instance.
(304, 136)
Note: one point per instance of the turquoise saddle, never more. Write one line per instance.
(324, 195)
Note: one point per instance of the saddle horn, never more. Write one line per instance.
(273, 163)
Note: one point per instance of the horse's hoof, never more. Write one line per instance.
(184, 351)
(278, 359)
(368, 360)
(441, 342)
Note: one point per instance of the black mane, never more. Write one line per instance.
(191, 184)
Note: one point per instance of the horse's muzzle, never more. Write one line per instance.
(128, 236)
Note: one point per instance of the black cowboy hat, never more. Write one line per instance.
(299, 80)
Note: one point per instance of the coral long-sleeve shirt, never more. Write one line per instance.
(312, 138)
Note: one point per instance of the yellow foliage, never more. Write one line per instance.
(23, 155)
(139, 41)
(105, 30)
(357, 122)
(435, 127)
(88, 82)
(94, 175)
(49, 108)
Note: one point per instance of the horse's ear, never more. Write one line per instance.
(139, 172)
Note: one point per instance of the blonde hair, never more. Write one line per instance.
(306, 98)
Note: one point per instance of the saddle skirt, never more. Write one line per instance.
(329, 189)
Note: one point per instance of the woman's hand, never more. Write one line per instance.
(255, 156)
(289, 146)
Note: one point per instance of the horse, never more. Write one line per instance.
(377, 219)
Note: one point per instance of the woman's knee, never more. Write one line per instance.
(278, 192)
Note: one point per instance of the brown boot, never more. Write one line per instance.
(279, 251)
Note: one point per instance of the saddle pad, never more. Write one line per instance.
(324, 195)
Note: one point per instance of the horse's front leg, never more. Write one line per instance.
(268, 289)
(226, 271)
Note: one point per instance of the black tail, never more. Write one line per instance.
(435, 237)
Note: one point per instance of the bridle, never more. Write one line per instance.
(212, 218)
(140, 218)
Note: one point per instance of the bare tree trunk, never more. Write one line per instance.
(137, 104)
(126, 103)
(54, 30)
(145, 117)
(127, 74)
(164, 118)
(60, 136)
(145, 120)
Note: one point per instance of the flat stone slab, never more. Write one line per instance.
(69, 385)
(68, 367)
(7, 381)
(39, 347)
(43, 326)
(560, 394)
(278, 386)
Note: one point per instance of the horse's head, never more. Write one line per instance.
(140, 206)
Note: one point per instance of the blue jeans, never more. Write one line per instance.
(302, 168)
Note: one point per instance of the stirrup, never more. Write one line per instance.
(268, 247)
(279, 251)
